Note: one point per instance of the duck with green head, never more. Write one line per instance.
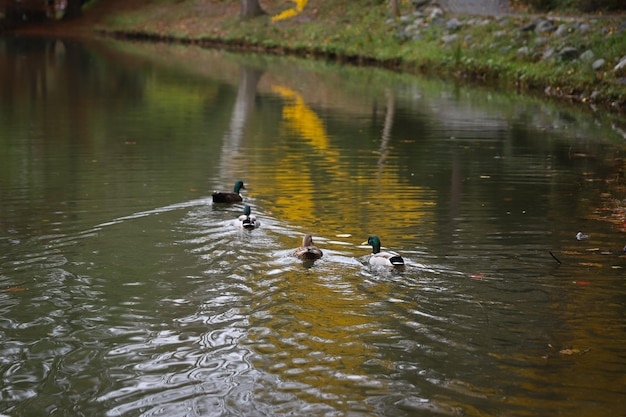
(227, 197)
(308, 251)
(248, 220)
(385, 258)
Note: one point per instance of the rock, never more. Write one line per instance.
(584, 28)
(548, 53)
(597, 64)
(523, 51)
(545, 26)
(449, 38)
(569, 53)
(562, 30)
(438, 21)
(620, 68)
(587, 56)
(541, 40)
(453, 24)
(594, 94)
(529, 27)
(622, 26)
(435, 13)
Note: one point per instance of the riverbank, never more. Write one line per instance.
(580, 59)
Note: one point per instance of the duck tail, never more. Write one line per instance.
(247, 223)
(396, 261)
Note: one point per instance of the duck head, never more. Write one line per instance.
(375, 242)
(239, 186)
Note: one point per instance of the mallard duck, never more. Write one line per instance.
(247, 220)
(226, 197)
(308, 251)
(387, 258)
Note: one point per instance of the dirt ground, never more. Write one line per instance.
(104, 8)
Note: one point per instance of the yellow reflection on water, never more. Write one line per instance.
(319, 336)
(301, 119)
(354, 183)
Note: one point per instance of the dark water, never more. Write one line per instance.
(125, 292)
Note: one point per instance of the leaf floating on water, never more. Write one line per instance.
(581, 282)
(591, 264)
(573, 351)
(14, 289)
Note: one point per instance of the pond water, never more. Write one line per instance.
(124, 291)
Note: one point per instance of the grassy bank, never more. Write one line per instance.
(500, 51)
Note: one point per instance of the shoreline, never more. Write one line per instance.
(523, 53)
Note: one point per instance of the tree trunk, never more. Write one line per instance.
(251, 8)
(395, 9)
(73, 9)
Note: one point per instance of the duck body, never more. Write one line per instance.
(384, 258)
(308, 251)
(581, 236)
(248, 220)
(228, 197)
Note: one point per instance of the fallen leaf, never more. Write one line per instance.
(14, 289)
(573, 351)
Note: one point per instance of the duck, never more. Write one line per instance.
(247, 220)
(581, 236)
(308, 251)
(386, 258)
(226, 197)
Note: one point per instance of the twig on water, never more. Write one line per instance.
(555, 258)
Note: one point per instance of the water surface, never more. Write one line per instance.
(124, 291)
